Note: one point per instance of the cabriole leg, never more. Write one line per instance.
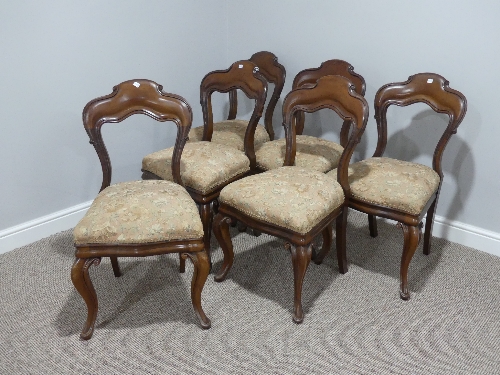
(200, 274)
(411, 239)
(221, 231)
(81, 280)
(301, 256)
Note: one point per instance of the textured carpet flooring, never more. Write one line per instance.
(354, 324)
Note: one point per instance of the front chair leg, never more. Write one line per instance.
(200, 274)
(221, 231)
(327, 234)
(301, 256)
(206, 215)
(411, 239)
(81, 280)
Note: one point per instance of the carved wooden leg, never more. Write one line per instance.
(116, 267)
(81, 280)
(206, 214)
(341, 229)
(429, 223)
(221, 231)
(411, 239)
(182, 264)
(372, 225)
(327, 244)
(200, 274)
(301, 256)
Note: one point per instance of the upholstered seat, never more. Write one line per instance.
(140, 212)
(402, 185)
(231, 133)
(290, 197)
(294, 203)
(204, 165)
(312, 153)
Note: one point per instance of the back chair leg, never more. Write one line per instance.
(201, 270)
(116, 267)
(429, 223)
(372, 225)
(341, 229)
(412, 236)
(81, 280)
(221, 231)
(301, 256)
(327, 244)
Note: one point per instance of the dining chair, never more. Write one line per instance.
(232, 131)
(138, 218)
(206, 167)
(401, 190)
(292, 202)
(312, 152)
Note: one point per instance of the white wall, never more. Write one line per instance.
(387, 41)
(56, 56)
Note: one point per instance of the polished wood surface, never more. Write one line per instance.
(433, 90)
(129, 98)
(329, 67)
(274, 73)
(335, 93)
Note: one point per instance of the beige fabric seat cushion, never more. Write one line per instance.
(231, 133)
(312, 153)
(140, 212)
(289, 197)
(402, 185)
(204, 165)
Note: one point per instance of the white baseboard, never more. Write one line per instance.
(467, 235)
(32, 231)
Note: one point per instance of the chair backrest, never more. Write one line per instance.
(138, 96)
(333, 92)
(274, 73)
(243, 75)
(429, 88)
(329, 67)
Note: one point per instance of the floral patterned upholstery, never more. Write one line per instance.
(402, 185)
(204, 165)
(312, 153)
(140, 212)
(290, 197)
(231, 133)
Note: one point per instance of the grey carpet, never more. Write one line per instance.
(354, 324)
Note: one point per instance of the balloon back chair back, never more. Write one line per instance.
(231, 132)
(412, 190)
(206, 167)
(291, 202)
(138, 218)
(312, 152)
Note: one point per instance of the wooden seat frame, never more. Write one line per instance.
(433, 90)
(129, 98)
(333, 92)
(243, 75)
